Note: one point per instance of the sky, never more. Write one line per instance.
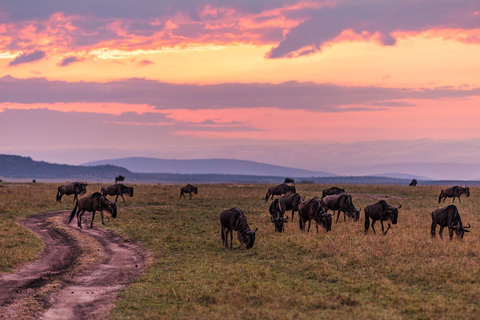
(328, 85)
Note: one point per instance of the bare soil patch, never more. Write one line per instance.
(77, 275)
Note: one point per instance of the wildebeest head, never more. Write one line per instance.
(279, 219)
(325, 220)
(354, 214)
(249, 238)
(392, 214)
(110, 207)
(460, 230)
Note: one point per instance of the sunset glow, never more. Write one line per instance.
(182, 77)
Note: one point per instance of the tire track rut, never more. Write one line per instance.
(76, 277)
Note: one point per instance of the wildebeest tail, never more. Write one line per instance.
(440, 196)
(59, 197)
(73, 212)
(367, 221)
(267, 196)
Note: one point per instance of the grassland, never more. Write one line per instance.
(341, 274)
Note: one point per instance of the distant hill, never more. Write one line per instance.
(12, 166)
(208, 166)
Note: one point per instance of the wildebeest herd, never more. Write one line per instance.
(337, 200)
(233, 219)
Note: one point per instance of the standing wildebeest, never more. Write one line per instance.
(119, 178)
(92, 203)
(117, 190)
(312, 209)
(380, 211)
(277, 212)
(341, 202)
(413, 183)
(75, 188)
(188, 189)
(448, 217)
(234, 220)
(291, 202)
(278, 190)
(331, 191)
(453, 192)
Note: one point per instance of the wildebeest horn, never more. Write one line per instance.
(255, 230)
(465, 227)
(455, 226)
(399, 206)
(285, 219)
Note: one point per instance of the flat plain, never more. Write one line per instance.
(291, 275)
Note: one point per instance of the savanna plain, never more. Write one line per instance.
(342, 274)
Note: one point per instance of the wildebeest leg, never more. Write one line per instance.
(381, 222)
(123, 200)
(450, 232)
(309, 224)
(441, 232)
(190, 195)
(101, 213)
(79, 217)
(293, 214)
(75, 198)
(344, 218)
(367, 223)
(373, 223)
(93, 217)
(316, 225)
(433, 229)
(458, 199)
(231, 238)
(385, 233)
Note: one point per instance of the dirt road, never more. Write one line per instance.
(76, 277)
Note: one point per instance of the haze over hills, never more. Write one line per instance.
(207, 166)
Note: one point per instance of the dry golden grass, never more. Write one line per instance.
(340, 274)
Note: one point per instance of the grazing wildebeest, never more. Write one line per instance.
(75, 188)
(119, 178)
(231, 220)
(448, 217)
(117, 190)
(312, 209)
(278, 190)
(291, 202)
(289, 180)
(341, 202)
(93, 203)
(188, 189)
(380, 211)
(453, 192)
(413, 183)
(332, 191)
(277, 212)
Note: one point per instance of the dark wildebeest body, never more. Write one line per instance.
(278, 190)
(341, 202)
(117, 190)
(188, 189)
(93, 203)
(448, 217)
(291, 202)
(413, 183)
(332, 191)
(312, 209)
(277, 212)
(453, 192)
(75, 188)
(119, 179)
(380, 211)
(234, 220)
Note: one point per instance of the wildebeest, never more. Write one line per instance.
(331, 191)
(75, 188)
(341, 202)
(277, 212)
(289, 180)
(278, 190)
(119, 178)
(291, 202)
(312, 209)
(93, 203)
(413, 183)
(231, 220)
(117, 190)
(453, 192)
(380, 211)
(188, 189)
(448, 217)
